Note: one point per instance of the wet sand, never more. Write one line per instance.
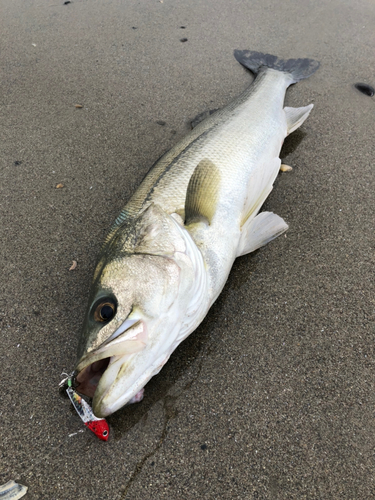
(273, 396)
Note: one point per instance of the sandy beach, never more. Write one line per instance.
(273, 397)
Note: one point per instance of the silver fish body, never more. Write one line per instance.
(169, 253)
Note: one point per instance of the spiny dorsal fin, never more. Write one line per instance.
(202, 116)
(202, 192)
(296, 116)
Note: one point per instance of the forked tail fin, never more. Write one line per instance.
(298, 68)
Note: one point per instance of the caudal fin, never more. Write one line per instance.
(298, 68)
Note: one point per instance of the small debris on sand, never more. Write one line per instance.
(59, 186)
(73, 266)
(365, 89)
(285, 168)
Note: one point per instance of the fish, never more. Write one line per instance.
(168, 254)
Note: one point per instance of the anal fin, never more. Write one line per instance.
(259, 231)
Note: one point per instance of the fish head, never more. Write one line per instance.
(142, 287)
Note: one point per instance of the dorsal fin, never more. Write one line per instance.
(203, 192)
(296, 116)
(202, 116)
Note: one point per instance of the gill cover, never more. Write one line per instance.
(137, 271)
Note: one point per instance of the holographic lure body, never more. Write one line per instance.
(98, 426)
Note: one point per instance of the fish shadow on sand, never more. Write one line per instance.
(291, 143)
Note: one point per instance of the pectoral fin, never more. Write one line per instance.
(296, 116)
(202, 193)
(259, 231)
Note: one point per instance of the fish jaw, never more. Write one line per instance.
(94, 364)
(118, 378)
(130, 377)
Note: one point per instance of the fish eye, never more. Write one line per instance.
(104, 311)
(105, 433)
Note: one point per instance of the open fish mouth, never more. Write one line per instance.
(104, 363)
(88, 379)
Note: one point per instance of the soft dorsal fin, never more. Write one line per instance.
(203, 192)
(296, 116)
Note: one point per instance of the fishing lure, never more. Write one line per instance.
(98, 426)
